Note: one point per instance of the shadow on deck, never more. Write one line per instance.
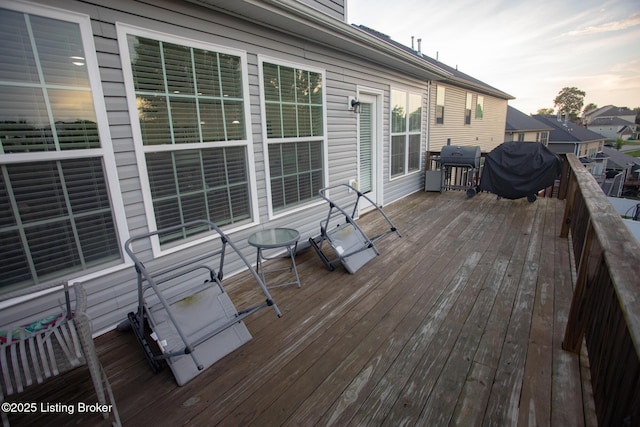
(459, 322)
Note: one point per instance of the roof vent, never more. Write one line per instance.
(419, 47)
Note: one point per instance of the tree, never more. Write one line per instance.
(589, 107)
(570, 100)
(545, 111)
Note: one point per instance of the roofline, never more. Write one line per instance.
(453, 79)
(311, 24)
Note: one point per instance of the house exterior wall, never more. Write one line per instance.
(112, 292)
(529, 136)
(487, 132)
(609, 132)
(334, 8)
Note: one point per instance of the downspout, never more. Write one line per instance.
(428, 110)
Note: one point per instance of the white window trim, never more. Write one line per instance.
(267, 141)
(106, 152)
(422, 142)
(122, 31)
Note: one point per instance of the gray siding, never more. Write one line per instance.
(334, 8)
(111, 296)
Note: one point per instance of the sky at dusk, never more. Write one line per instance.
(528, 49)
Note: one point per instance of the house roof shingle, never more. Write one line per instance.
(609, 121)
(519, 121)
(569, 133)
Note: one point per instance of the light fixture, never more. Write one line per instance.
(354, 104)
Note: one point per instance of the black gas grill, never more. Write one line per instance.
(460, 168)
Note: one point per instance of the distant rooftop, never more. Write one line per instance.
(570, 132)
(517, 121)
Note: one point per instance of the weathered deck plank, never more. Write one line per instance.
(459, 322)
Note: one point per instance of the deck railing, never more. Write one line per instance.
(605, 310)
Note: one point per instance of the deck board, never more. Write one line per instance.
(458, 322)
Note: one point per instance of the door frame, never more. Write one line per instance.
(377, 98)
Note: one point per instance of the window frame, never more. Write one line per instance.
(440, 104)
(479, 107)
(407, 133)
(467, 108)
(105, 152)
(268, 141)
(123, 30)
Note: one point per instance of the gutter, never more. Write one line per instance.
(297, 19)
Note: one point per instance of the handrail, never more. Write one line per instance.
(605, 309)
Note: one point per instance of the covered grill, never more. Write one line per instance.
(459, 168)
(520, 169)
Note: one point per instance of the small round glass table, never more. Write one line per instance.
(276, 238)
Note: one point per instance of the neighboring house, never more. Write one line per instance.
(463, 110)
(568, 137)
(131, 116)
(524, 128)
(608, 112)
(612, 127)
(623, 173)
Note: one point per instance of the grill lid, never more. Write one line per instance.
(460, 155)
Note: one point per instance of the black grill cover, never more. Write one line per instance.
(519, 169)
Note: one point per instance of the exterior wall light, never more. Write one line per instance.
(354, 105)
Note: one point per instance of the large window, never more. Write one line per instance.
(440, 94)
(56, 216)
(293, 116)
(406, 132)
(191, 109)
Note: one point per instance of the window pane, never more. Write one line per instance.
(231, 76)
(398, 111)
(414, 152)
(154, 120)
(480, 107)
(212, 120)
(234, 116)
(66, 219)
(271, 83)
(467, 109)
(146, 64)
(199, 184)
(287, 84)
(35, 113)
(184, 117)
(24, 121)
(74, 119)
(60, 51)
(415, 113)
(440, 100)
(397, 154)
(19, 64)
(178, 69)
(296, 172)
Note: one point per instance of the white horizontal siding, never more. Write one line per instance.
(487, 132)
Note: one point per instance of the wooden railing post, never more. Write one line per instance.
(580, 307)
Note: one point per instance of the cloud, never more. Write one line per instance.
(632, 21)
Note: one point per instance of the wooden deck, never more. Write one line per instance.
(459, 322)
